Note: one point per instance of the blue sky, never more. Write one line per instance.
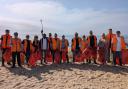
(63, 16)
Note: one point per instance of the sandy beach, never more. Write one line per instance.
(65, 76)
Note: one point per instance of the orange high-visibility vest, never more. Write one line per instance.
(25, 46)
(66, 45)
(56, 44)
(16, 45)
(114, 43)
(95, 40)
(74, 43)
(6, 41)
(110, 35)
(84, 45)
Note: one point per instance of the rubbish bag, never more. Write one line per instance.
(48, 56)
(64, 56)
(79, 57)
(57, 57)
(7, 55)
(22, 57)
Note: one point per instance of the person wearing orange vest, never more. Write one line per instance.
(16, 49)
(55, 45)
(103, 49)
(76, 42)
(84, 43)
(109, 37)
(118, 44)
(64, 47)
(27, 46)
(50, 43)
(5, 44)
(36, 43)
(92, 45)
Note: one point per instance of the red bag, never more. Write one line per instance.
(48, 56)
(22, 57)
(79, 57)
(86, 54)
(7, 55)
(57, 57)
(32, 60)
(64, 58)
(125, 56)
(38, 55)
(93, 53)
(101, 57)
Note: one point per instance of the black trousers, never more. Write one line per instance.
(27, 54)
(16, 55)
(53, 55)
(66, 57)
(75, 52)
(117, 54)
(43, 56)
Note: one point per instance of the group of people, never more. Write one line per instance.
(83, 48)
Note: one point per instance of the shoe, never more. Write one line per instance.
(20, 66)
(2, 65)
(9, 63)
(13, 67)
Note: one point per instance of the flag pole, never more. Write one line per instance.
(41, 21)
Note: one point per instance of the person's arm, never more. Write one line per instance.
(1, 42)
(68, 42)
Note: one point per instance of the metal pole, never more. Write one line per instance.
(42, 25)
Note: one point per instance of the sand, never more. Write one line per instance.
(65, 76)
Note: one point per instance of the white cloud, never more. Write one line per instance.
(57, 18)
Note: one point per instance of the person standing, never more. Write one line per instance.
(64, 47)
(92, 45)
(16, 49)
(76, 42)
(36, 44)
(50, 44)
(56, 45)
(84, 43)
(44, 47)
(109, 37)
(5, 44)
(28, 48)
(118, 44)
(103, 49)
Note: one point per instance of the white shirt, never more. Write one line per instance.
(118, 44)
(44, 44)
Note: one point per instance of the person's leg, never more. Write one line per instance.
(60, 56)
(120, 58)
(26, 56)
(67, 57)
(41, 56)
(3, 51)
(13, 59)
(114, 58)
(45, 56)
(18, 59)
(74, 53)
(94, 55)
(53, 54)
(108, 60)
